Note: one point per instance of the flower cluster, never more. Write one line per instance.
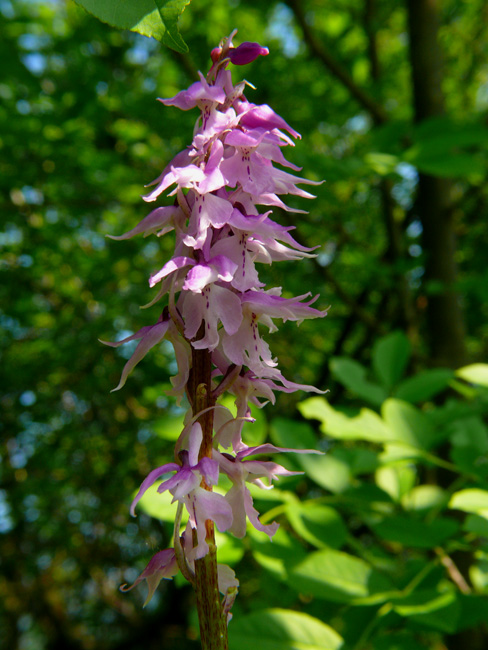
(214, 301)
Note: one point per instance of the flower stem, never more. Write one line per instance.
(213, 625)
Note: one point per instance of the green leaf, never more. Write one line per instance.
(470, 432)
(447, 148)
(415, 533)
(285, 629)
(424, 385)
(464, 165)
(277, 554)
(339, 577)
(402, 640)
(359, 460)
(367, 497)
(317, 524)
(469, 450)
(396, 480)
(352, 375)
(470, 462)
(170, 11)
(285, 432)
(441, 133)
(476, 524)
(390, 358)
(381, 163)
(474, 610)
(409, 425)
(423, 498)
(154, 18)
(436, 610)
(476, 373)
(327, 471)
(368, 425)
(478, 573)
(473, 500)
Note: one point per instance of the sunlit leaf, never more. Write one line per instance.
(424, 497)
(408, 424)
(396, 479)
(477, 373)
(280, 628)
(439, 611)
(339, 577)
(328, 471)
(473, 500)
(368, 425)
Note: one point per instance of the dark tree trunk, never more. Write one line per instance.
(445, 322)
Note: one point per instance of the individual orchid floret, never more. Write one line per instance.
(245, 347)
(256, 175)
(263, 117)
(218, 268)
(213, 305)
(185, 484)
(209, 211)
(152, 335)
(241, 471)
(269, 305)
(162, 565)
(188, 475)
(160, 221)
(228, 586)
(198, 94)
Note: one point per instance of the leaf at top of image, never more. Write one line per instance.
(153, 18)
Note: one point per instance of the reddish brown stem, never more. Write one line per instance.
(213, 626)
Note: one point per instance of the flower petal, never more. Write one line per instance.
(150, 479)
(162, 565)
(153, 335)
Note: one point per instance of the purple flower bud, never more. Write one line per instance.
(246, 53)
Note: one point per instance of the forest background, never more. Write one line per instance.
(386, 545)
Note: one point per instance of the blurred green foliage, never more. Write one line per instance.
(373, 539)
